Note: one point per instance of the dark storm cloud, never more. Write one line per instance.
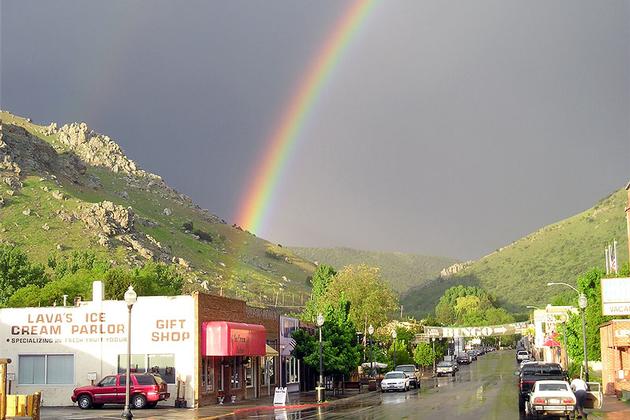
(447, 128)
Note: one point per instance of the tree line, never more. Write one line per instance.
(24, 283)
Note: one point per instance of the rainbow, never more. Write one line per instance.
(256, 202)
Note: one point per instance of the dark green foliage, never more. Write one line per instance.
(319, 286)
(341, 352)
(403, 357)
(423, 355)
(470, 306)
(153, 279)
(590, 284)
(76, 284)
(62, 265)
(73, 276)
(16, 271)
(204, 236)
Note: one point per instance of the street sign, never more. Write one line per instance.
(422, 338)
(616, 296)
(487, 331)
(280, 396)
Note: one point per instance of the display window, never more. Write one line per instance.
(46, 369)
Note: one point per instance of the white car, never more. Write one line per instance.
(550, 398)
(445, 368)
(395, 381)
(522, 355)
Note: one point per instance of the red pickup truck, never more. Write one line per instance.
(145, 391)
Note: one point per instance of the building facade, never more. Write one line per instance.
(216, 347)
(56, 349)
(615, 348)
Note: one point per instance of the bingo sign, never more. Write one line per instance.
(616, 297)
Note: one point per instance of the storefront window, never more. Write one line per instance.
(235, 367)
(207, 374)
(249, 372)
(292, 371)
(138, 363)
(268, 370)
(163, 365)
(46, 369)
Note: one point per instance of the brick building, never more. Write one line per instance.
(615, 348)
(247, 372)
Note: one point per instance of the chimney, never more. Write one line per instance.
(97, 291)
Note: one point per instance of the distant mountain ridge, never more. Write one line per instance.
(66, 189)
(518, 273)
(402, 271)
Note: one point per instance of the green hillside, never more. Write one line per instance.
(402, 271)
(518, 273)
(69, 188)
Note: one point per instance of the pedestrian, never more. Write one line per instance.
(579, 388)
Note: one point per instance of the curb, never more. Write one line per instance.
(286, 407)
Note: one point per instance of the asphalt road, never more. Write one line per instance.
(484, 389)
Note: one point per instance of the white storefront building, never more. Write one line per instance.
(56, 349)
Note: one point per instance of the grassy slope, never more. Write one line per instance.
(518, 273)
(402, 271)
(236, 261)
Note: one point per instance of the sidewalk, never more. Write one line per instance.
(295, 400)
(612, 408)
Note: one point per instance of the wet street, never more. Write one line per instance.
(485, 389)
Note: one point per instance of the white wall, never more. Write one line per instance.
(96, 333)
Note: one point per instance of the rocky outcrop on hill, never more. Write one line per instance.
(21, 152)
(107, 218)
(98, 150)
(454, 269)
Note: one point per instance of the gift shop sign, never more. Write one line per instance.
(78, 325)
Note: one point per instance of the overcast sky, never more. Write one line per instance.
(448, 128)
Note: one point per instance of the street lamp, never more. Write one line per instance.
(130, 299)
(394, 335)
(320, 322)
(582, 303)
(370, 332)
(433, 343)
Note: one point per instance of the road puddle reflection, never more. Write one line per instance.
(480, 394)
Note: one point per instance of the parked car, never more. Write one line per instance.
(413, 373)
(526, 362)
(145, 391)
(463, 359)
(522, 355)
(534, 372)
(395, 381)
(550, 398)
(472, 354)
(445, 368)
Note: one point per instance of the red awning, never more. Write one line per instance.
(221, 338)
(550, 342)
